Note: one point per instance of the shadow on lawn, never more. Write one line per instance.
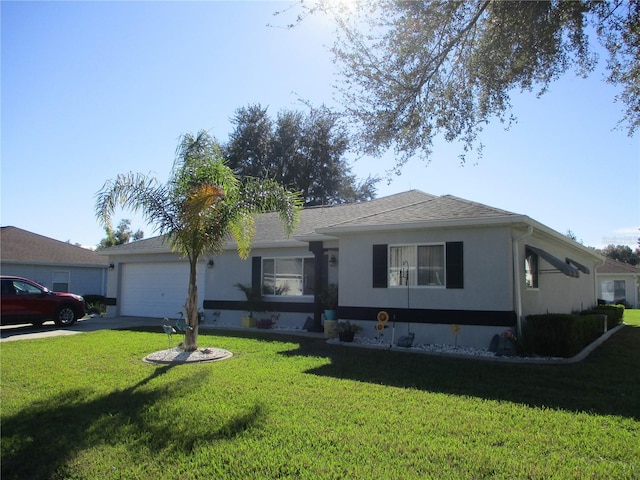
(605, 383)
(38, 441)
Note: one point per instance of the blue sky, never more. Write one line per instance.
(94, 89)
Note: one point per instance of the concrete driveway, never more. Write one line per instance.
(87, 324)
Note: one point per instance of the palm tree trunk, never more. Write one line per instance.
(191, 308)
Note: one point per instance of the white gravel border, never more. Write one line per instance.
(177, 355)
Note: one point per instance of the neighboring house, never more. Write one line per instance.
(59, 266)
(618, 283)
(447, 269)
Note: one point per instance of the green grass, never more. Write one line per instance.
(86, 407)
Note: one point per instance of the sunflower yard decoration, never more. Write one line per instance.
(383, 318)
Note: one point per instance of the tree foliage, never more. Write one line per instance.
(302, 152)
(622, 253)
(416, 70)
(123, 234)
(201, 204)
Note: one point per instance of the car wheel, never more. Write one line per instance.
(64, 316)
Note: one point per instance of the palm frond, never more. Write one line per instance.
(136, 192)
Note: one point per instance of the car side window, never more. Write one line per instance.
(23, 288)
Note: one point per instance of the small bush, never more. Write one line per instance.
(614, 314)
(96, 304)
(561, 335)
(92, 298)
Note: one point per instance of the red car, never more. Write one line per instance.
(25, 301)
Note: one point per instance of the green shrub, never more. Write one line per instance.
(96, 304)
(614, 314)
(561, 335)
(92, 298)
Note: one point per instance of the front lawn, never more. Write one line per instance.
(86, 406)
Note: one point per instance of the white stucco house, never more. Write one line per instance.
(439, 265)
(618, 282)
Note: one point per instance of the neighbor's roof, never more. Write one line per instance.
(21, 246)
(612, 266)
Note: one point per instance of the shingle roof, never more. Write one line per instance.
(402, 208)
(156, 244)
(612, 266)
(269, 228)
(431, 209)
(17, 245)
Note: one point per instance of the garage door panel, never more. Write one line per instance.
(155, 289)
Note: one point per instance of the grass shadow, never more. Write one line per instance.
(606, 382)
(43, 429)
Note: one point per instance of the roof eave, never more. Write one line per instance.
(54, 264)
(447, 223)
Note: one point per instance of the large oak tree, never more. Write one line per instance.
(415, 70)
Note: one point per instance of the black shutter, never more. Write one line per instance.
(380, 266)
(455, 267)
(256, 273)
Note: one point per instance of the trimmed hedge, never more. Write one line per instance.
(561, 335)
(614, 314)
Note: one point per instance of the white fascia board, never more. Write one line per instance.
(277, 244)
(548, 232)
(455, 223)
(55, 264)
(141, 251)
(311, 237)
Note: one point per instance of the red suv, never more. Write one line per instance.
(24, 301)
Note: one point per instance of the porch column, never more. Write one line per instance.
(318, 253)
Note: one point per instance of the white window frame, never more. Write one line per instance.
(280, 282)
(397, 274)
(608, 286)
(532, 270)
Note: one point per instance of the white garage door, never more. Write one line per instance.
(156, 289)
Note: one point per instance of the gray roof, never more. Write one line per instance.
(612, 266)
(405, 208)
(269, 228)
(22, 246)
(434, 209)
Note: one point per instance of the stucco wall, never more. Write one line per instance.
(487, 271)
(556, 292)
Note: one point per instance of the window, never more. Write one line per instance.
(60, 281)
(614, 291)
(288, 276)
(531, 269)
(421, 265)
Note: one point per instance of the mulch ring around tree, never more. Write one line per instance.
(177, 355)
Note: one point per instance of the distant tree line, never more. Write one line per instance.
(622, 253)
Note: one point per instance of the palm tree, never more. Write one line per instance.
(201, 205)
